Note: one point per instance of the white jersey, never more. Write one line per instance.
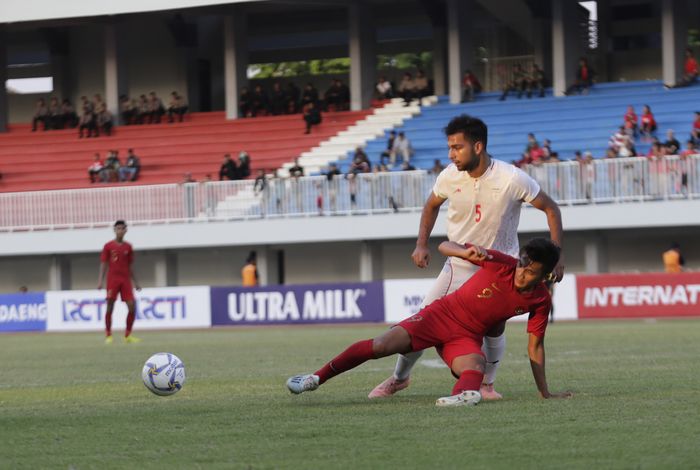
(485, 211)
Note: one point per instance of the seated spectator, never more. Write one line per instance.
(41, 115)
(344, 95)
(228, 170)
(98, 101)
(243, 165)
(130, 171)
(630, 121)
(690, 71)
(656, 151)
(293, 95)
(297, 170)
(584, 78)
(406, 166)
(553, 158)
(245, 103)
(278, 99)
(547, 148)
(437, 167)
(360, 163)
(95, 169)
(312, 116)
(618, 139)
(384, 90)
(333, 97)
(386, 154)
(648, 126)
(531, 142)
(471, 85)
(309, 96)
(422, 86)
(177, 106)
(536, 154)
(672, 145)
(519, 81)
(155, 107)
(110, 172)
(143, 110)
(69, 118)
(88, 120)
(537, 81)
(260, 104)
(626, 149)
(407, 88)
(695, 131)
(54, 114)
(401, 146)
(104, 120)
(127, 110)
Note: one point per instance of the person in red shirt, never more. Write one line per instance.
(690, 71)
(648, 126)
(457, 323)
(631, 121)
(584, 78)
(116, 260)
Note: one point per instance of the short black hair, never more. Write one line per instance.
(119, 222)
(473, 128)
(541, 250)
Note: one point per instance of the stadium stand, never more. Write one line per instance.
(59, 160)
(574, 123)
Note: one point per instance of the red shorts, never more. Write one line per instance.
(121, 287)
(434, 326)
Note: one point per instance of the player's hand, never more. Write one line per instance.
(558, 272)
(138, 288)
(421, 256)
(567, 394)
(99, 286)
(476, 253)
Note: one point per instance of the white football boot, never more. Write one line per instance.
(466, 398)
(302, 383)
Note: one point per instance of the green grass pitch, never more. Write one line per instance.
(67, 401)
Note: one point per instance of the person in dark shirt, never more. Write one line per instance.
(245, 102)
(537, 81)
(584, 78)
(261, 102)
(518, 82)
(312, 116)
(278, 99)
(243, 165)
(293, 94)
(309, 96)
(41, 115)
(229, 170)
(386, 154)
(296, 170)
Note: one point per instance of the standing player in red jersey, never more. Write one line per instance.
(116, 259)
(457, 323)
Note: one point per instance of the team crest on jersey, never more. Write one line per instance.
(487, 292)
(519, 310)
(414, 318)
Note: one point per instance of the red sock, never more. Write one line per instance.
(352, 357)
(469, 380)
(129, 323)
(108, 323)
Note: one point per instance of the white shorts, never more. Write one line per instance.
(451, 278)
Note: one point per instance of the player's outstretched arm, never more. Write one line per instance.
(547, 205)
(431, 209)
(473, 253)
(101, 275)
(535, 349)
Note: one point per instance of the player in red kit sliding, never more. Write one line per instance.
(457, 323)
(116, 259)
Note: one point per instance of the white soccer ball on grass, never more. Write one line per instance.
(163, 374)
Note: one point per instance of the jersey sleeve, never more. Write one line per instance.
(497, 261)
(104, 256)
(538, 319)
(523, 186)
(440, 188)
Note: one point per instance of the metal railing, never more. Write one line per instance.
(600, 181)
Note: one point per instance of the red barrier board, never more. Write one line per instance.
(638, 295)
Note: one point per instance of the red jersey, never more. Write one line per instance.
(648, 119)
(489, 298)
(691, 66)
(119, 256)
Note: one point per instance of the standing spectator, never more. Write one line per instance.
(386, 154)
(293, 95)
(384, 89)
(401, 146)
(471, 85)
(309, 96)
(672, 144)
(127, 110)
(130, 171)
(95, 169)
(297, 170)
(584, 78)
(673, 259)
(630, 121)
(228, 170)
(245, 103)
(104, 120)
(41, 114)
(249, 273)
(422, 86)
(437, 167)
(243, 165)
(278, 99)
(537, 81)
(407, 88)
(690, 71)
(312, 116)
(156, 108)
(69, 118)
(648, 126)
(260, 102)
(520, 82)
(54, 115)
(177, 106)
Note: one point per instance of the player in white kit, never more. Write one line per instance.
(485, 196)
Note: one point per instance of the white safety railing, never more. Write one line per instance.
(600, 181)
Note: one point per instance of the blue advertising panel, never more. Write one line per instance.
(23, 312)
(299, 304)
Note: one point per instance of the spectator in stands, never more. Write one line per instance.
(54, 114)
(309, 96)
(245, 103)
(104, 120)
(537, 81)
(332, 175)
(690, 71)
(130, 171)
(110, 172)
(386, 154)
(41, 115)
(86, 105)
(143, 110)
(673, 259)
(243, 165)
(422, 86)
(228, 170)
(177, 106)
(519, 81)
(384, 89)
(471, 86)
(437, 167)
(672, 145)
(656, 151)
(627, 149)
(69, 118)
(402, 146)
(88, 120)
(630, 121)
(186, 179)
(547, 148)
(344, 93)
(260, 183)
(337, 96)
(98, 102)
(618, 139)
(155, 107)
(406, 166)
(312, 116)
(537, 155)
(531, 142)
(584, 78)
(360, 162)
(95, 169)
(293, 95)
(278, 99)
(689, 150)
(260, 104)
(297, 170)
(648, 126)
(407, 88)
(127, 110)
(695, 131)
(553, 158)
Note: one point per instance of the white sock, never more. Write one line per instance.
(493, 349)
(405, 363)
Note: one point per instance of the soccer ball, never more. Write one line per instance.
(163, 374)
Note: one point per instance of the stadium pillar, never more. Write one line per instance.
(673, 39)
(166, 269)
(439, 53)
(459, 44)
(59, 273)
(564, 38)
(595, 256)
(604, 63)
(363, 59)
(3, 79)
(115, 71)
(235, 60)
(267, 266)
(371, 266)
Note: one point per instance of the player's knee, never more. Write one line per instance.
(380, 347)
